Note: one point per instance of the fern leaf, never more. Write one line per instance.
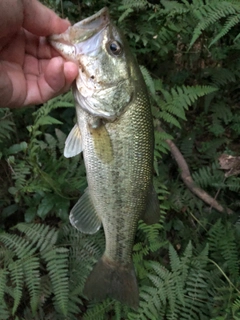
(221, 76)
(173, 7)
(20, 246)
(178, 100)
(45, 288)
(98, 311)
(222, 240)
(125, 14)
(169, 118)
(5, 315)
(222, 112)
(174, 259)
(32, 280)
(16, 274)
(3, 281)
(230, 23)
(148, 79)
(57, 262)
(210, 14)
(6, 124)
(41, 236)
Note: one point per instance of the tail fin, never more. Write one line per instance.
(109, 279)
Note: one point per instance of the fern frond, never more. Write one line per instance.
(98, 311)
(41, 115)
(187, 146)
(209, 15)
(222, 112)
(220, 76)
(57, 262)
(222, 241)
(45, 288)
(233, 183)
(208, 176)
(165, 282)
(173, 8)
(41, 236)
(148, 79)
(5, 315)
(3, 281)
(6, 124)
(139, 4)
(21, 247)
(16, 274)
(32, 279)
(230, 252)
(20, 174)
(229, 24)
(236, 304)
(178, 100)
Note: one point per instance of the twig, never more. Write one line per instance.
(187, 179)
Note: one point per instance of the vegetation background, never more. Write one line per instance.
(188, 264)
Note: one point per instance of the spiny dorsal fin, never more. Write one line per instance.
(73, 143)
(83, 215)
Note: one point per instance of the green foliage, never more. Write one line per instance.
(39, 170)
(42, 265)
(187, 264)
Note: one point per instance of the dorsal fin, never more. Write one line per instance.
(152, 213)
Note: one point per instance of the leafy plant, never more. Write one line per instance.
(187, 264)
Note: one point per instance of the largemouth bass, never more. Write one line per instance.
(114, 130)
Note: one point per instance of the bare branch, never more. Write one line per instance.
(187, 179)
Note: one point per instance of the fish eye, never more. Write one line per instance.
(115, 48)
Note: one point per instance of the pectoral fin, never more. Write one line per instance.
(152, 213)
(102, 143)
(73, 143)
(83, 215)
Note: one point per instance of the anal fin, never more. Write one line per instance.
(83, 215)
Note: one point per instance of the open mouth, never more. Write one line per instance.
(83, 37)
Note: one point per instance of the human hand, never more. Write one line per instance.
(31, 71)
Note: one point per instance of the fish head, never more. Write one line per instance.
(105, 83)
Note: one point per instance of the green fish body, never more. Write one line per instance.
(115, 132)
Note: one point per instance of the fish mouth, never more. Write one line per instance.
(82, 37)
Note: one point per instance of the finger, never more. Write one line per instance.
(11, 17)
(59, 75)
(55, 79)
(42, 21)
(70, 72)
(38, 47)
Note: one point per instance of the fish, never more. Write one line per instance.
(114, 130)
